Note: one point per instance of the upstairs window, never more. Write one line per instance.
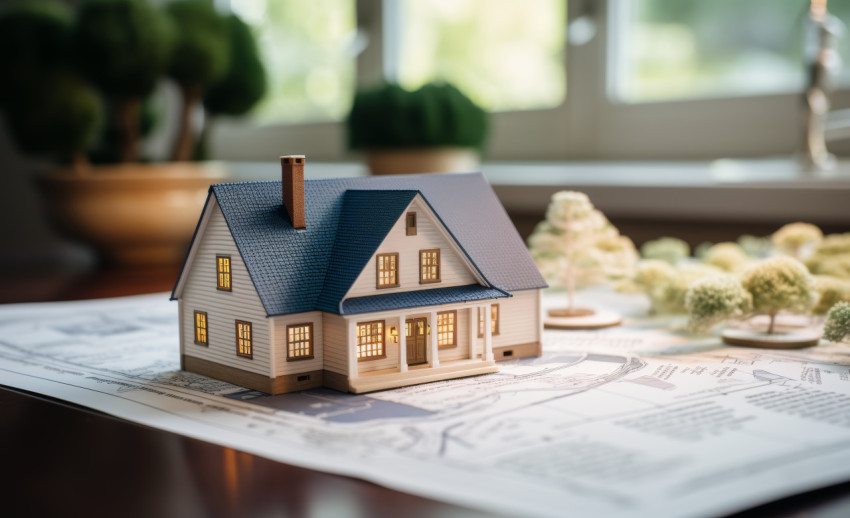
(299, 342)
(447, 329)
(370, 340)
(387, 265)
(244, 340)
(411, 224)
(222, 266)
(429, 266)
(201, 328)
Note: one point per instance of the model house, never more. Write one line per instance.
(356, 284)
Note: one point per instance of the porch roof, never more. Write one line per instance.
(419, 298)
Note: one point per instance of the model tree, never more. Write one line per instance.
(242, 86)
(669, 249)
(831, 291)
(831, 257)
(797, 239)
(715, 299)
(201, 55)
(123, 47)
(779, 284)
(576, 246)
(837, 326)
(50, 110)
(729, 257)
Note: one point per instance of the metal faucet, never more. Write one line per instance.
(823, 65)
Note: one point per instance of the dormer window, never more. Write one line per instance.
(222, 267)
(411, 224)
(387, 265)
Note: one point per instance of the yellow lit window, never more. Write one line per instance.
(387, 270)
(429, 266)
(244, 345)
(370, 340)
(222, 267)
(447, 329)
(201, 328)
(299, 342)
(494, 320)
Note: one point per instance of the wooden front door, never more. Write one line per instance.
(415, 336)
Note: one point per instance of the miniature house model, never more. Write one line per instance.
(356, 284)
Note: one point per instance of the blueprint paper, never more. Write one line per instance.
(632, 421)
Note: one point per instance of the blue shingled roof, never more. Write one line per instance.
(419, 298)
(305, 270)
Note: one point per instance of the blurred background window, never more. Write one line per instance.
(504, 54)
(309, 48)
(679, 49)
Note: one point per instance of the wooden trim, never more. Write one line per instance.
(310, 356)
(410, 223)
(206, 327)
(218, 274)
(436, 330)
(250, 340)
(382, 334)
(378, 284)
(421, 266)
(512, 352)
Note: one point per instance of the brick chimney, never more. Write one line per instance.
(293, 188)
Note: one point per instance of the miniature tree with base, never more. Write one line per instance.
(576, 246)
(837, 327)
(714, 299)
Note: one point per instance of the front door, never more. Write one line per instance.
(414, 332)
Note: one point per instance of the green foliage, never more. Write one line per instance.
(779, 283)
(34, 38)
(837, 326)
(668, 297)
(714, 299)
(831, 290)
(756, 247)
(244, 83)
(795, 239)
(434, 115)
(832, 257)
(59, 116)
(670, 249)
(123, 46)
(729, 257)
(201, 49)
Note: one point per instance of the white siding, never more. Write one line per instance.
(335, 334)
(454, 269)
(281, 365)
(519, 320)
(223, 308)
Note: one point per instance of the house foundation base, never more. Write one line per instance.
(279, 385)
(512, 352)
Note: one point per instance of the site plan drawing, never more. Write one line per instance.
(631, 421)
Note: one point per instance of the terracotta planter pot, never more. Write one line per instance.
(134, 214)
(423, 160)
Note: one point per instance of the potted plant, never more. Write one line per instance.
(80, 93)
(433, 129)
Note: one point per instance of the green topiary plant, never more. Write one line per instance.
(435, 115)
(123, 47)
(669, 249)
(837, 326)
(201, 56)
(714, 299)
(243, 84)
(779, 284)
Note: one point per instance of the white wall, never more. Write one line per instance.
(279, 323)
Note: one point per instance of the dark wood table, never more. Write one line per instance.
(62, 459)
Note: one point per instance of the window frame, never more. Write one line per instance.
(438, 266)
(380, 334)
(396, 271)
(241, 340)
(206, 328)
(454, 330)
(494, 322)
(311, 348)
(589, 124)
(221, 274)
(410, 228)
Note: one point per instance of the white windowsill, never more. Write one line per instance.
(766, 190)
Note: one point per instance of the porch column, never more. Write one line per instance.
(432, 342)
(352, 350)
(473, 330)
(488, 336)
(402, 344)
